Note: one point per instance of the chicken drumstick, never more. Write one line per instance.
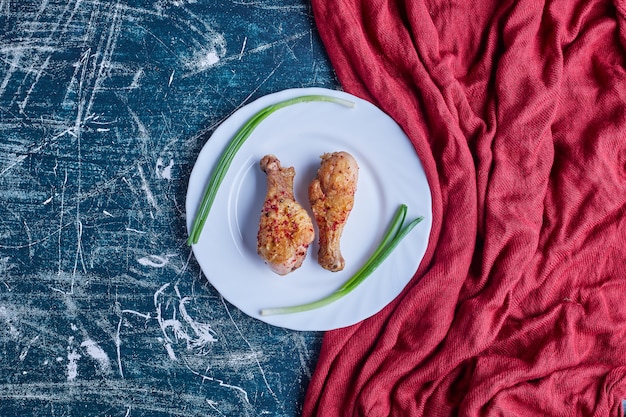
(332, 197)
(285, 228)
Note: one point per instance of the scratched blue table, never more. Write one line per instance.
(104, 106)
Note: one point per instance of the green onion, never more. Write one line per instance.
(228, 155)
(394, 234)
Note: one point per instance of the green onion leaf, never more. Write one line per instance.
(223, 164)
(392, 237)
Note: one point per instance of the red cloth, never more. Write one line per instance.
(518, 112)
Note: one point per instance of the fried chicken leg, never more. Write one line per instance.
(285, 228)
(332, 197)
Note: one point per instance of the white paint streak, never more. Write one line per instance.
(220, 382)
(135, 82)
(205, 60)
(118, 348)
(17, 56)
(197, 336)
(213, 405)
(170, 351)
(118, 338)
(72, 87)
(19, 159)
(263, 5)
(79, 251)
(259, 49)
(145, 316)
(22, 105)
(24, 352)
(144, 135)
(8, 318)
(243, 47)
(107, 54)
(267, 384)
(72, 364)
(204, 332)
(61, 211)
(146, 188)
(98, 354)
(302, 354)
(209, 55)
(164, 171)
(154, 261)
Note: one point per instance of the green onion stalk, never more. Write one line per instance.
(392, 237)
(223, 164)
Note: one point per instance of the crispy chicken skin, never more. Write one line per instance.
(331, 195)
(285, 228)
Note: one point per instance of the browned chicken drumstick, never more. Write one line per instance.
(332, 197)
(285, 228)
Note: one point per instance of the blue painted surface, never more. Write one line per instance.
(104, 106)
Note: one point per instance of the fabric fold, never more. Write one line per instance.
(518, 113)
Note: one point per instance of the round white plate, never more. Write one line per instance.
(390, 173)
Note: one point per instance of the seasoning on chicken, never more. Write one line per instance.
(332, 197)
(285, 228)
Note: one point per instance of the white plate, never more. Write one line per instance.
(390, 174)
